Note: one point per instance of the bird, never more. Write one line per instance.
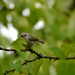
(31, 40)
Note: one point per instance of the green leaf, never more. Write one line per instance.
(21, 40)
(45, 67)
(66, 68)
(30, 68)
(11, 64)
(58, 52)
(68, 48)
(7, 62)
(18, 66)
(1, 71)
(17, 44)
(36, 67)
(30, 65)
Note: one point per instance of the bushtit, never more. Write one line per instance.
(31, 40)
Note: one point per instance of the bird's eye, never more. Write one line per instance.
(24, 35)
(21, 35)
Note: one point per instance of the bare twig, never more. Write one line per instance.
(12, 50)
(28, 61)
(9, 71)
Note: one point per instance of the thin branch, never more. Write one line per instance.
(32, 51)
(39, 56)
(28, 61)
(9, 71)
(49, 57)
(67, 58)
(8, 49)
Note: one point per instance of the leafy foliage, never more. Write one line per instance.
(18, 66)
(58, 33)
(17, 44)
(36, 69)
(66, 67)
(1, 71)
(58, 52)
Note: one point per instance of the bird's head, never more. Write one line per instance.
(24, 35)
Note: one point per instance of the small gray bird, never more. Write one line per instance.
(31, 40)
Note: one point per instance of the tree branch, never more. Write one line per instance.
(12, 50)
(28, 61)
(39, 56)
(9, 71)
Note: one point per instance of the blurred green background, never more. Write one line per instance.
(52, 21)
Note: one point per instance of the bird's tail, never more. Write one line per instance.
(41, 42)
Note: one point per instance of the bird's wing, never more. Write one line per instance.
(31, 38)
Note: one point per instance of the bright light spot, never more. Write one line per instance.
(50, 3)
(11, 5)
(10, 2)
(26, 12)
(6, 1)
(9, 32)
(1, 54)
(12, 32)
(39, 25)
(4, 30)
(52, 70)
(37, 5)
(9, 18)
